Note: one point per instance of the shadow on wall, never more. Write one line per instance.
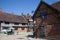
(31, 36)
(53, 39)
(50, 38)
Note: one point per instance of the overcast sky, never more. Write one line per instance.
(21, 6)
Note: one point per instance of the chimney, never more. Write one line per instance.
(22, 14)
(0, 10)
(28, 16)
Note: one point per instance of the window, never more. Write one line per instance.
(43, 13)
(23, 23)
(5, 27)
(30, 23)
(22, 28)
(6, 22)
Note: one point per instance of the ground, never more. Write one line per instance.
(20, 36)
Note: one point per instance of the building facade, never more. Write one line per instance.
(11, 22)
(47, 19)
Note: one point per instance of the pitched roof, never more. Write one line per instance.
(22, 19)
(56, 5)
(6, 17)
(50, 6)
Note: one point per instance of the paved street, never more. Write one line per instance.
(21, 36)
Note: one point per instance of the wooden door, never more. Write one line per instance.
(42, 31)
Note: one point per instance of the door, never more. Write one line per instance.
(42, 31)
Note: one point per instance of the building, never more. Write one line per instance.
(9, 21)
(47, 19)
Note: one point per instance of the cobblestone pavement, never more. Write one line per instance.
(21, 36)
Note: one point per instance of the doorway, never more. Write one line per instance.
(42, 31)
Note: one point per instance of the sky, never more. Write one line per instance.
(21, 6)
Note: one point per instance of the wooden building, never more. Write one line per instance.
(47, 19)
